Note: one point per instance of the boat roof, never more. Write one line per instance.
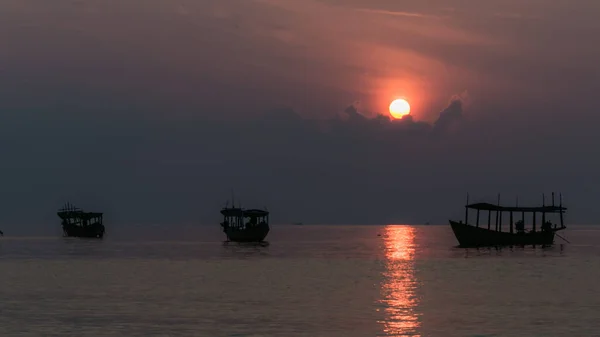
(484, 206)
(78, 214)
(256, 212)
(236, 211)
(232, 211)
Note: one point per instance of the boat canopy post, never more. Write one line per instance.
(543, 213)
(561, 211)
(497, 213)
(489, 218)
(543, 218)
(467, 210)
(543, 200)
(500, 223)
(511, 223)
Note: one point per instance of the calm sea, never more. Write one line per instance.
(310, 281)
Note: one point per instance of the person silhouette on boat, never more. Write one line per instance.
(547, 226)
(520, 226)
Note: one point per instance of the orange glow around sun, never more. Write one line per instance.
(399, 108)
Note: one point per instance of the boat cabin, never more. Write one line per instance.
(73, 216)
(77, 223)
(527, 216)
(239, 218)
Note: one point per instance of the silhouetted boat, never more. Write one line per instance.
(245, 225)
(77, 223)
(475, 236)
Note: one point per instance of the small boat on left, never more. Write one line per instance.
(77, 223)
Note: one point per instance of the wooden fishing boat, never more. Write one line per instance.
(77, 223)
(469, 235)
(245, 225)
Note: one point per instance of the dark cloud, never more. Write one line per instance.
(353, 170)
(449, 120)
(353, 114)
(451, 116)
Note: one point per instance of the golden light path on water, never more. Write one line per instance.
(398, 289)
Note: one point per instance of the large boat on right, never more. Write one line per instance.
(524, 231)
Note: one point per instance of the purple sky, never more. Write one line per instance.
(116, 104)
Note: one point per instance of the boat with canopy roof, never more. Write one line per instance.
(77, 223)
(244, 225)
(524, 231)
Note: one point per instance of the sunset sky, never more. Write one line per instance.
(165, 106)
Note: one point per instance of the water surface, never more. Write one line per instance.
(310, 281)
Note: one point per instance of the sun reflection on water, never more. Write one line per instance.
(399, 284)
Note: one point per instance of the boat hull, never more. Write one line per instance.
(471, 236)
(92, 231)
(256, 233)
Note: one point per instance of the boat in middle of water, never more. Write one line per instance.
(245, 225)
(491, 234)
(77, 223)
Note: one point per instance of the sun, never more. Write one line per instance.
(399, 108)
